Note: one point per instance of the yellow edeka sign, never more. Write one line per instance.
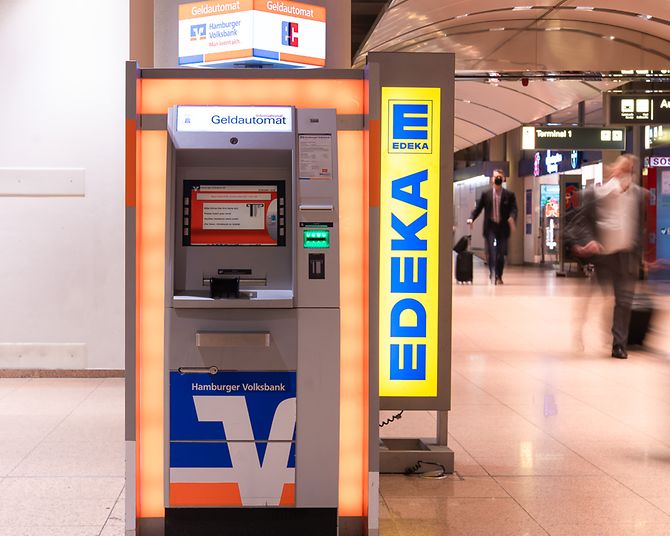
(409, 242)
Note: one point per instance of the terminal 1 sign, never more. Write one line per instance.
(275, 33)
(573, 138)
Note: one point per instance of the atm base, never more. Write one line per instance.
(250, 521)
(401, 456)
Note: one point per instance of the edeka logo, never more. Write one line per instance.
(409, 242)
(289, 34)
(198, 32)
(410, 126)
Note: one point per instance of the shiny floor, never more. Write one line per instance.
(61, 457)
(551, 435)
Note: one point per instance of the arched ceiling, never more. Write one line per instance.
(483, 110)
(532, 36)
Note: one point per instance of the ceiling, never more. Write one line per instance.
(483, 110)
(534, 37)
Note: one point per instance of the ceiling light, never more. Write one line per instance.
(522, 8)
(645, 17)
(500, 29)
(462, 16)
(610, 37)
(467, 102)
(584, 8)
(551, 29)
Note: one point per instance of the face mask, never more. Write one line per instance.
(498, 181)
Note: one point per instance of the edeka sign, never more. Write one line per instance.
(409, 242)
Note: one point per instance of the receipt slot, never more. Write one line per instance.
(251, 321)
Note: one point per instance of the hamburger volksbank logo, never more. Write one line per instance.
(411, 127)
(198, 32)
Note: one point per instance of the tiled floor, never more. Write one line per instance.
(549, 438)
(61, 457)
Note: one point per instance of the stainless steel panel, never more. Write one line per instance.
(222, 339)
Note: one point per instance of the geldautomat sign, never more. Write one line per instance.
(266, 33)
(409, 242)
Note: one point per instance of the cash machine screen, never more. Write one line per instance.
(228, 213)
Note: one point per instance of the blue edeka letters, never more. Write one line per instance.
(407, 126)
(408, 190)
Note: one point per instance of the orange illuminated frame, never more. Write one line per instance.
(146, 176)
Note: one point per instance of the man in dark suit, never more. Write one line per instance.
(500, 212)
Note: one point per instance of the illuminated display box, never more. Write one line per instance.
(264, 33)
(224, 213)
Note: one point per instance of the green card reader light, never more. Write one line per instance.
(316, 239)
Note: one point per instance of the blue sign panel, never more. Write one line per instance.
(232, 439)
(254, 398)
(549, 162)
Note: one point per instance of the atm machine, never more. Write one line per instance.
(251, 321)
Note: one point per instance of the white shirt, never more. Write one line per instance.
(617, 215)
(497, 198)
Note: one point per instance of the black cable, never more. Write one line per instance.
(414, 469)
(395, 417)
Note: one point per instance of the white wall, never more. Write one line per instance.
(62, 95)
(466, 195)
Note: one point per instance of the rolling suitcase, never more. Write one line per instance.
(463, 261)
(640, 318)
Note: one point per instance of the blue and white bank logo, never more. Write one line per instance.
(411, 127)
(198, 32)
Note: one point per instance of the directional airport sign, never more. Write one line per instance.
(574, 138)
(639, 109)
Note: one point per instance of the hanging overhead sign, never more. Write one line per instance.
(573, 138)
(252, 32)
(639, 109)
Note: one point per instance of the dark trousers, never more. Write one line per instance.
(615, 273)
(496, 248)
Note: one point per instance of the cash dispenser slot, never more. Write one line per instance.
(213, 339)
(229, 286)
